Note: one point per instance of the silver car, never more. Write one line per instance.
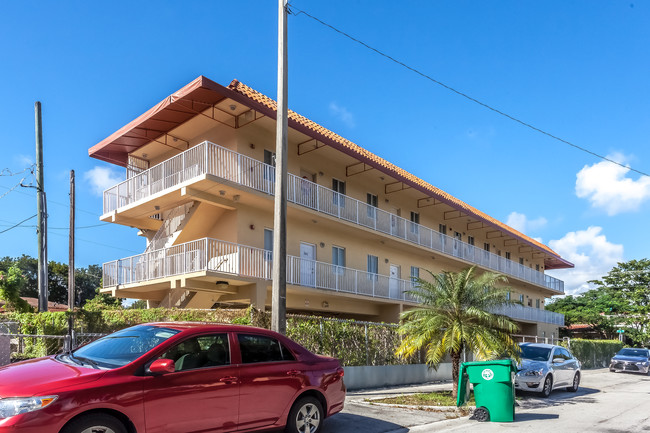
(545, 367)
(632, 360)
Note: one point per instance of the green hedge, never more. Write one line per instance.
(353, 343)
(594, 353)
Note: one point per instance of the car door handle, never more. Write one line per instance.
(293, 372)
(228, 379)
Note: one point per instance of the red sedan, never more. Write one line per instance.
(174, 378)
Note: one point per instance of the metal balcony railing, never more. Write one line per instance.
(209, 158)
(225, 257)
(243, 261)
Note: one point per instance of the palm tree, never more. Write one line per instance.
(456, 313)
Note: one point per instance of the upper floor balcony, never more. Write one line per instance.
(216, 257)
(212, 159)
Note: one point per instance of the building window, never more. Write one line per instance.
(269, 167)
(371, 200)
(338, 259)
(458, 236)
(373, 267)
(268, 244)
(521, 260)
(508, 255)
(537, 268)
(536, 303)
(415, 274)
(507, 296)
(415, 221)
(521, 298)
(442, 228)
(339, 191)
(470, 240)
(486, 246)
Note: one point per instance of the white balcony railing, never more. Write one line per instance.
(209, 158)
(243, 261)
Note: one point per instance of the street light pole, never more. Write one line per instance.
(279, 294)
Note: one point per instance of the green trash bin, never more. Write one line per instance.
(494, 389)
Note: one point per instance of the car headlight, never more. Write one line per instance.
(645, 364)
(534, 372)
(16, 406)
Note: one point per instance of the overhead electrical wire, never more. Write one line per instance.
(291, 8)
(16, 225)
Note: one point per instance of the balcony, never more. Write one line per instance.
(212, 255)
(209, 158)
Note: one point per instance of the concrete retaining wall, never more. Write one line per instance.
(378, 376)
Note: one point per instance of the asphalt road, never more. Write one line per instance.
(606, 402)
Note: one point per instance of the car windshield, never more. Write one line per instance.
(633, 352)
(120, 348)
(535, 353)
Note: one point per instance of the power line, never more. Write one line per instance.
(464, 95)
(16, 225)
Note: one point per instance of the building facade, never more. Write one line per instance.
(200, 184)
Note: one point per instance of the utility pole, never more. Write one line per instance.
(41, 211)
(71, 294)
(279, 294)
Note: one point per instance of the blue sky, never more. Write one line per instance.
(576, 69)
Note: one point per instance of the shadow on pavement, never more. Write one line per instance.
(523, 417)
(346, 422)
(559, 397)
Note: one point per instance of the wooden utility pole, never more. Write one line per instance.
(279, 294)
(41, 211)
(71, 294)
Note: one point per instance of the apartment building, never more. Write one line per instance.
(200, 187)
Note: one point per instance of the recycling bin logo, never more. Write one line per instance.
(487, 374)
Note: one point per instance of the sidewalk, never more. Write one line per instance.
(363, 415)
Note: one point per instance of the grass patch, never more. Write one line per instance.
(437, 398)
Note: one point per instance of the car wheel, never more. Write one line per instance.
(95, 423)
(576, 383)
(306, 416)
(548, 386)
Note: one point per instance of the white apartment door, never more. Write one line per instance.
(393, 282)
(307, 264)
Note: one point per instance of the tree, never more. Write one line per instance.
(457, 313)
(103, 301)
(11, 282)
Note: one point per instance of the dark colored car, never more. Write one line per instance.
(632, 360)
(545, 367)
(174, 377)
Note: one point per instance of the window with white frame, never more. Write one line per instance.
(373, 266)
(371, 200)
(268, 244)
(415, 274)
(415, 221)
(339, 191)
(338, 259)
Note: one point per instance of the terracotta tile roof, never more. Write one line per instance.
(399, 173)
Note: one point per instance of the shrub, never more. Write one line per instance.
(594, 353)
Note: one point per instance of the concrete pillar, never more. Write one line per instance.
(258, 293)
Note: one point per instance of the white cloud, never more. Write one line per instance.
(101, 178)
(592, 255)
(606, 186)
(520, 222)
(343, 114)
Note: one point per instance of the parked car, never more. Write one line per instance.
(545, 367)
(632, 360)
(174, 377)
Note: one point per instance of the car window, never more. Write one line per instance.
(566, 354)
(122, 347)
(260, 348)
(200, 352)
(535, 353)
(633, 352)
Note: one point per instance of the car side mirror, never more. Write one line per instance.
(162, 366)
(558, 360)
